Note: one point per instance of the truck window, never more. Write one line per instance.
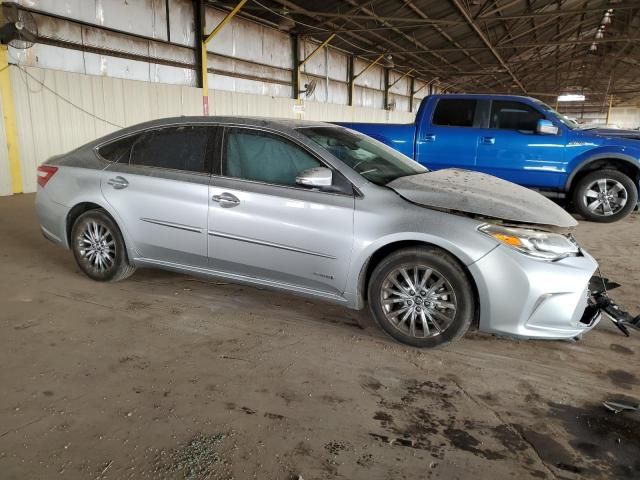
(455, 112)
(509, 115)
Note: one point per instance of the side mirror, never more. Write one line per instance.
(546, 127)
(315, 177)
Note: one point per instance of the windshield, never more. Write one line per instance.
(572, 124)
(372, 159)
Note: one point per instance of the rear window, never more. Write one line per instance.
(455, 112)
(119, 150)
(177, 148)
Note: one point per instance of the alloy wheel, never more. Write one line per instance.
(418, 301)
(605, 197)
(97, 246)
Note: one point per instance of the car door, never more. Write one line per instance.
(262, 225)
(511, 149)
(159, 189)
(448, 138)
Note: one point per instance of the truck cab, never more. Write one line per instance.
(523, 140)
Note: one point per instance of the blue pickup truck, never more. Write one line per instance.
(522, 140)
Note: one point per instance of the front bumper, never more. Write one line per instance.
(528, 298)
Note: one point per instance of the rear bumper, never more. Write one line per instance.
(528, 298)
(52, 217)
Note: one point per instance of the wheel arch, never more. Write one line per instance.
(624, 163)
(387, 249)
(82, 206)
(74, 213)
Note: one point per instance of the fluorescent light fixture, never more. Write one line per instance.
(571, 97)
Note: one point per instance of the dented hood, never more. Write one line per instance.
(481, 194)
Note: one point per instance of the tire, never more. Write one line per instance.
(389, 292)
(105, 260)
(616, 202)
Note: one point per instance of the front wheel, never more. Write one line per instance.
(99, 248)
(421, 297)
(605, 196)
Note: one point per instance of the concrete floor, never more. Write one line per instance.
(166, 376)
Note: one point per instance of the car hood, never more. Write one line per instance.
(613, 132)
(480, 194)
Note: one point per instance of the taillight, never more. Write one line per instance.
(45, 172)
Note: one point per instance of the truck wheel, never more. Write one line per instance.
(421, 297)
(605, 196)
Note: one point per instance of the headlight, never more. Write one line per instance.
(544, 245)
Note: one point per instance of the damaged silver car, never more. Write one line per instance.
(325, 212)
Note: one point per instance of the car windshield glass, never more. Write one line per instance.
(372, 159)
(572, 124)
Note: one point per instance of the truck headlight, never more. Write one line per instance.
(543, 245)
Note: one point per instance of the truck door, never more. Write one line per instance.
(511, 149)
(448, 138)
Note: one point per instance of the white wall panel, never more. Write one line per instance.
(372, 78)
(145, 17)
(49, 125)
(317, 64)
(248, 40)
(625, 117)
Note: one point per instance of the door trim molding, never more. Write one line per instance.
(269, 244)
(177, 226)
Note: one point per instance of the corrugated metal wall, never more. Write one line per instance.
(88, 106)
(126, 62)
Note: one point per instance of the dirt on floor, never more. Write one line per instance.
(168, 376)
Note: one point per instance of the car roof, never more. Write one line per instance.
(486, 96)
(278, 124)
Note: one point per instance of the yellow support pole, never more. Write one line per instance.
(10, 128)
(205, 42)
(609, 110)
(205, 81)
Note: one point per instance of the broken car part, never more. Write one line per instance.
(599, 301)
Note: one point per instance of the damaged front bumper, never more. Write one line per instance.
(600, 302)
(524, 297)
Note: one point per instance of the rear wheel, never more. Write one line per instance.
(605, 196)
(99, 248)
(421, 297)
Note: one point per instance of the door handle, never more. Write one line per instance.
(226, 200)
(429, 137)
(118, 183)
(488, 140)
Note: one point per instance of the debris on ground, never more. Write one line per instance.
(617, 406)
(200, 458)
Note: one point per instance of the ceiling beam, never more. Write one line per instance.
(485, 40)
(555, 13)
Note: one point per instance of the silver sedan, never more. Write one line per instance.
(321, 211)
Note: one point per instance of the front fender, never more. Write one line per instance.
(357, 275)
(624, 153)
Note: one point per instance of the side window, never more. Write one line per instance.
(510, 115)
(264, 157)
(119, 150)
(455, 112)
(177, 148)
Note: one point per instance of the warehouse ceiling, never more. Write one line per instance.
(536, 47)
